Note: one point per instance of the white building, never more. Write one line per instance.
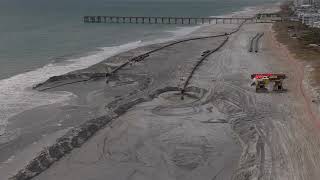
(298, 3)
(316, 24)
(317, 4)
(308, 12)
(314, 3)
(309, 19)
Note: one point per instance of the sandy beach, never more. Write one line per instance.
(222, 129)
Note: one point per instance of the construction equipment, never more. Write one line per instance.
(262, 80)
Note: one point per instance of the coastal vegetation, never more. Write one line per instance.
(301, 40)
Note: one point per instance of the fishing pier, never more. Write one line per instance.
(260, 18)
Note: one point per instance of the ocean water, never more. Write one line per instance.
(34, 33)
(43, 38)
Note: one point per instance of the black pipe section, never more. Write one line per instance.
(257, 42)
(252, 42)
(199, 63)
(204, 56)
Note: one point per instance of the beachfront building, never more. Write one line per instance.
(299, 3)
(316, 3)
(307, 4)
(308, 12)
(316, 24)
(310, 19)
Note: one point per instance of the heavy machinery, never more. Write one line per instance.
(262, 80)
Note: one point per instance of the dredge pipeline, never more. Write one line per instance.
(78, 135)
(145, 55)
(199, 63)
(207, 54)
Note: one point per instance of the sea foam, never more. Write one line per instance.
(16, 94)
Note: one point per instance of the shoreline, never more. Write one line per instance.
(116, 60)
(155, 131)
(24, 82)
(178, 33)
